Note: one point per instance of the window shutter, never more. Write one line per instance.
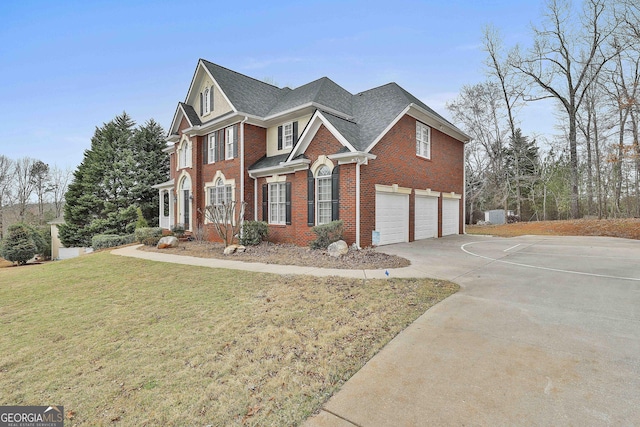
(265, 202)
(205, 149)
(235, 141)
(311, 199)
(211, 98)
(335, 194)
(220, 144)
(215, 147)
(201, 103)
(279, 137)
(295, 134)
(287, 187)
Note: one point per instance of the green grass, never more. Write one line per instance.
(122, 341)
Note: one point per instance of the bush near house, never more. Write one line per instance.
(22, 243)
(149, 236)
(105, 241)
(327, 234)
(253, 232)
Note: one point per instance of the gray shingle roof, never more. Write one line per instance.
(247, 94)
(267, 162)
(371, 111)
(191, 114)
(322, 91)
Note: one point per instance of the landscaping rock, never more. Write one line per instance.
(168, 242)
(230, 249)
(241, 248)
(337, 249)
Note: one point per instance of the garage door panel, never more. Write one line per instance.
(450, 216)
(426, 218)
(392, 217)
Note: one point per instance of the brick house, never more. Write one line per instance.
(381, 160)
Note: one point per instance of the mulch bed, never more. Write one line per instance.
(269, 253)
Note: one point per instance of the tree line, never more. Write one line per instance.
(586, 58)
(28, 182)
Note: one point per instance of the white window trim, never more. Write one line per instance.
(281, 187)
(317, 191)
(211, 148)
(185, 154)
(420, 143)
(228, 143)
(207, 100)
(212, 184)
(287, 137)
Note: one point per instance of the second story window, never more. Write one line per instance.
(207, 100)
(230, 142)
(287, 135)
(211, 148)
(184, 155)
(423, 140)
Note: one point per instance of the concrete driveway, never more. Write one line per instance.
(545, 331)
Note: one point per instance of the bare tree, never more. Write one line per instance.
(512, 89)
(24, 184)
(40, 176)
(564, 60)
(6, 182)
(226, 219)
(58, 184)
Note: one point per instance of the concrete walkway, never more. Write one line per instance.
(545, 331)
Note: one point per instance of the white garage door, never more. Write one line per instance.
(450, 216)
(426, 221)
(392, 217)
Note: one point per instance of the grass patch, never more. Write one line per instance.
(133, 342)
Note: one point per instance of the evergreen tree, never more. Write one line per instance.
(22, 243)
(116, 174)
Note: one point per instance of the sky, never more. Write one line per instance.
(67, 67)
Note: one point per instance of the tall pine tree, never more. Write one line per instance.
(121, 163)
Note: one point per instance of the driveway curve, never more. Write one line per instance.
(545, 331)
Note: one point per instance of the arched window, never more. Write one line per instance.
(323, 195)
(220, 194)
(184, 155)
(207, 100)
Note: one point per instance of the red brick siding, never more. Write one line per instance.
(397, 163)
(255, 147)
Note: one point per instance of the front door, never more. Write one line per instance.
(185, 197)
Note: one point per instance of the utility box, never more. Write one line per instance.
(495, 216)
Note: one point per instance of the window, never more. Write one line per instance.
(277, 203)
(211, 148)
(323, 191)
(207, 101)
(423, 140)
(220, 194)
(287, 135)
(230, 142)
(184, 155)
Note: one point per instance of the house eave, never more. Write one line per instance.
(359, 157)
(437, 123)
(165, 185)
(281, 169)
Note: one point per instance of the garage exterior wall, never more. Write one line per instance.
(397, 163)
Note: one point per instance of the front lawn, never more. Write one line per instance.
(124, 341)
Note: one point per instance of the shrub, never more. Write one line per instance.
(253, 232)
(147, 232)
(150, 241)
(45, 234)
(141, 222)
(327, 234)
(178, 230)
(104, 241)
(21, 243)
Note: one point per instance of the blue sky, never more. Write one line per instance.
(69, 66)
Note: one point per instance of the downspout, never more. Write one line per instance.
(242, 164)
(358, 163)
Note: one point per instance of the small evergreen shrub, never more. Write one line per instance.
(141, 222)
(21, 243)
(253, 232)
(327, 234)
(104, 241)
(147, 232)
